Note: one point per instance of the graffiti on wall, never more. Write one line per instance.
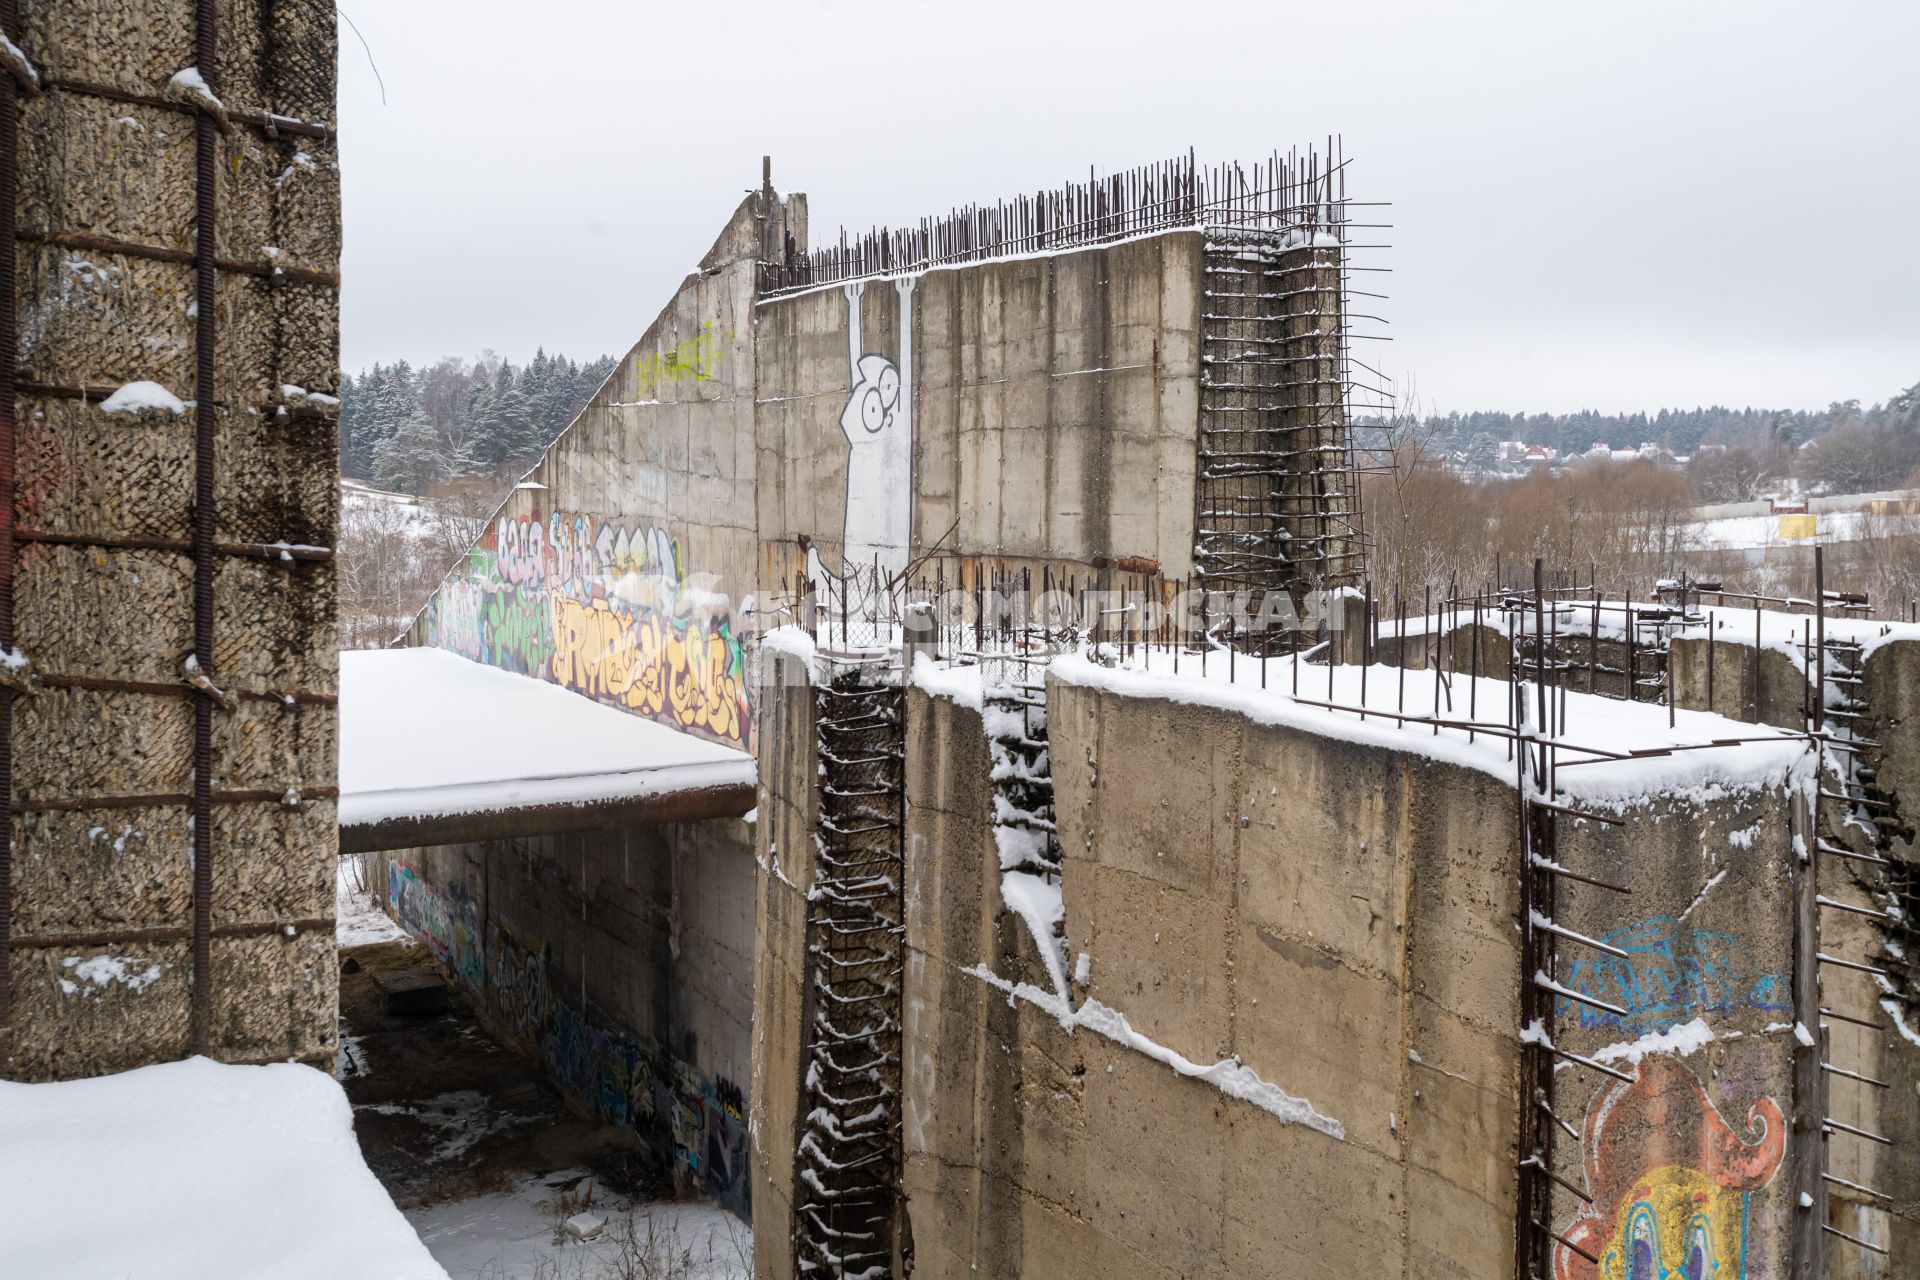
(606, 608)
(877, 422)
(696, 359)
(698, 1123)
(1673, 972)
(448, 923)
(1670, 1179)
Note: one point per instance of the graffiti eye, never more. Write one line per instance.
(873, 413)
(889, 385)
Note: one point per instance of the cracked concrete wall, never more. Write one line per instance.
(622, 960)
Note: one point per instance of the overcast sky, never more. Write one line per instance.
(1629, 206)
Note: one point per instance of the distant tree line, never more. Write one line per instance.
(410, 429)
(1737, 454)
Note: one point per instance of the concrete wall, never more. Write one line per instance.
(789, 816)
(1042, 410)
(624, 961)
(1054, 403)
(1338, 919)
(102, 884)
(622, 568)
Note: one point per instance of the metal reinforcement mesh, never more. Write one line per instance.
(849, 1149)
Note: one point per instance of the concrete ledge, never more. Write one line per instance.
(731, 800)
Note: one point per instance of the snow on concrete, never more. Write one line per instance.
(941, 680)
(1764, 758)
(1679, 1040)
(135, 397)
(1229, 1075)
(194, 1170)
(426, 733)
(517, 1235)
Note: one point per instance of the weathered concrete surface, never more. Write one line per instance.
(1340, 919)
(1891, 691)
(1053, 415)
(789, 817)
(1782, 683)
(1218, 924)
(624, 961)
(624, 566)
(98, 886)
(1056, 404)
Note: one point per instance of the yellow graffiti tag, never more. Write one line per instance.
(648, 665)
(695, 360)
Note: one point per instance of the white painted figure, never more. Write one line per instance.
(878, 423)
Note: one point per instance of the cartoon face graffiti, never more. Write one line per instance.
(1670, 1181)
(874, 404)
(877, 421)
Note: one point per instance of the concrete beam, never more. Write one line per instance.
(732, 800)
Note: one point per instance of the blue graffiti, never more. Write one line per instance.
(1673, 973)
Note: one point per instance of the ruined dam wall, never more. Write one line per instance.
(622, 566)
(623, 961)
(1293, 969)
(1050, 403)
(1886, 689)
(1039, 410)
(138, 930)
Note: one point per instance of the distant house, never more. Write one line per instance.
(1519, 451)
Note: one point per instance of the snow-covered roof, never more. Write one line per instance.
(435, 749)
(195, 1169)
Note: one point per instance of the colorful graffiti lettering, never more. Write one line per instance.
(606, 609)
(696, 359)
(693, 678)
(1674, 973)
(1670, 1181)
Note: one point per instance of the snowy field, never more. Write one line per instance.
(194, 1170)
(363, 505)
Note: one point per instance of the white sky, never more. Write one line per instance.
(1626, 206)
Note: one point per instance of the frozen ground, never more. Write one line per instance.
(195, 1170)
(518, 1235)
(485, 1159)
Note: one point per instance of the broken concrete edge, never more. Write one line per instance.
(732, 800)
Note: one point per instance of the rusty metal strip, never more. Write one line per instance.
(157, 253)
(171, 933)
(255, 550)
(9, 358)
(206, 224)
(104, 684)
(269, 124)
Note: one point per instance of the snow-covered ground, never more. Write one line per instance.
(362, 504)
(1742, 533)
(358, 918)
(196, 1170)
(518, 1235)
